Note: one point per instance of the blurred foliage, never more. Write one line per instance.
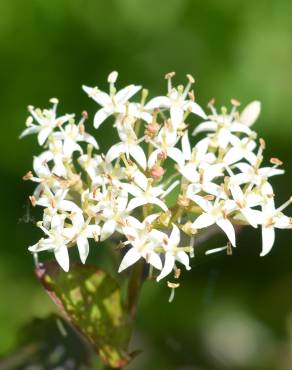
(238, 49)
(49, 344)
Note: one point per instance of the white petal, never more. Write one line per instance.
(62, 257)
(136, 202)
(100, 97)
(158, 202)
(253, 217)
(168, 266)
(183, 258)
(233, 155)
(228, 228)
(202, 202)
(196, 109)
(186, 146)
(270, 171)
(189, 171)
(67, 205)
(176, 155)
(115, 151)
(29, 131)
(158, 102)
(238, 127)
(138, 154)
(131, 257)
(204, 220)
(176, 115)
(155, 260)
(268, 239)
(132, 189)
(153, 157)
(174, 237)
(250, 113)
(83, 248)
(107, 229)
(100, 116)
(90, 140)
(71, 146)
(205, 126)
(43, 134)
(126, 93)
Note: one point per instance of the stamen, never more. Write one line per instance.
(170, 188)
(276, 161)
(285, 205)
(216, 250)
(172, 286)
(168, 77)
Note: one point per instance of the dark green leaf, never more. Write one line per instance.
(49, 344)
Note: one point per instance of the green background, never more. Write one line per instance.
(230, 312)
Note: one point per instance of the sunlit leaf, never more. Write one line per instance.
(92, 301)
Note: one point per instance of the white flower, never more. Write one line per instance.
(199, 158)
(114, 102)
(129, 145)
(144, 240)
(241, 148)
(56, 201)
(215, 213)
(46, 122)
(70, 135)
(202, 180)
(144, 194)
(111, 209)
(165, 142)
(253, 174)
(173, 253)
(245, 202)
(224, 126)
(177, 104)
(273, 218)
(57, 242)
(80, 232)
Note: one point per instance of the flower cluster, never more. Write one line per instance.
(152, 188)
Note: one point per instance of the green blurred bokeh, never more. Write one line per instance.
(231, 312)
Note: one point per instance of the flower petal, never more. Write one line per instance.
(100, 116)
(268, 239)
(204, 220)
(228, 229)
(250, 113)
(168, 266)
(131, 257)
(62, 257)
(83, 248)
(107, 229)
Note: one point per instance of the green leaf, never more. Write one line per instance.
(49, 343)
(92, 301)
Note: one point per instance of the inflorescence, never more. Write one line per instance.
(152, 188)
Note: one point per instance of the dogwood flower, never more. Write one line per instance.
(173, 253)
(273, 218)
(224, 126)
(176, 103)
(46, 121)
(114, 102)
(56, 241)
(144, 240)
(214, 213)
(90, 196)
